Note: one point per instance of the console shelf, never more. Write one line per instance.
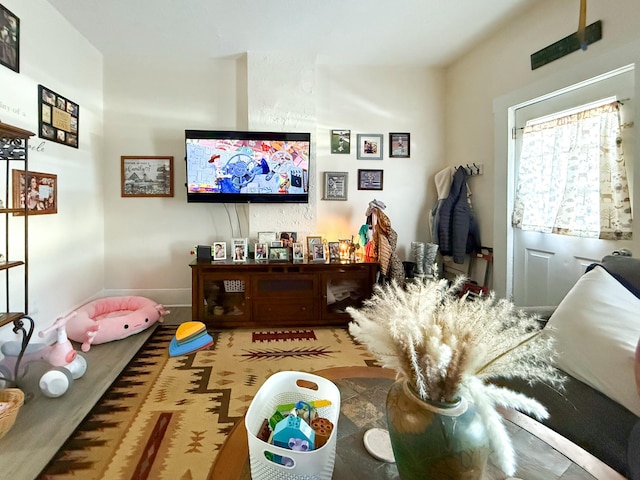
(252, 294)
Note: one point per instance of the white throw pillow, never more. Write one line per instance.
(638, 367)
(597, 326)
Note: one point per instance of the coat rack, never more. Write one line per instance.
(472, 169)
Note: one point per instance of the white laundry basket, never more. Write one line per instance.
(281, 388)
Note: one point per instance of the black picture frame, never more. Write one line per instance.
(10, 54)
(58, 118)
(399, 145)
(370, 179)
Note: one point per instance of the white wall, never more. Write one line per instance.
(497, 74)
(149, 102)
(381, 100)
(66, 249)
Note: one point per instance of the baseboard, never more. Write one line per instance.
(169, 297)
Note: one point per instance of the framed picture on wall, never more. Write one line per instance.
(399, 146)
(369, 146)
(335, 185)
(340, 141)
(146, 176)
(58, 118)
(370, 179)
(9, 39)
(38, 190)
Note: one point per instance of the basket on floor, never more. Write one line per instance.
(290, 387)
(14, 397)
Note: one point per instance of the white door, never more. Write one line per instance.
(546, 266)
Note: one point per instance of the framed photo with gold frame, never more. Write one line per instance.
(38, 190)
(146, 177)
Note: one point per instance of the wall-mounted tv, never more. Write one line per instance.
(241, 166)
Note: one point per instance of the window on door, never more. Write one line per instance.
(572, 177)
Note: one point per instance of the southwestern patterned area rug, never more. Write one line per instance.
(165, 418)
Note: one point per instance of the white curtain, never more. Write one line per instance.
(572, 178)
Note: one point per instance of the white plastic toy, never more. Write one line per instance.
(67, 363)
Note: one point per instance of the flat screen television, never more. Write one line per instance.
(247, 167)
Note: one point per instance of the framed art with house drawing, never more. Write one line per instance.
(146, 176)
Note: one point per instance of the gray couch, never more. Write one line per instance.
(584, 415)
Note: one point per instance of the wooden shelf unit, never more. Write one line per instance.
(14, 153)
(252, 294)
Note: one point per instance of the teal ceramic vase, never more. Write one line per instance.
(430, 440)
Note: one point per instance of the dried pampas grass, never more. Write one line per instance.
(448, 346)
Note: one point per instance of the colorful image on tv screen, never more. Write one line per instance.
(247, 166)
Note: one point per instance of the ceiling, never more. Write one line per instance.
(357, 32)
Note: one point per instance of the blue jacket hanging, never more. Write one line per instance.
(458, 231)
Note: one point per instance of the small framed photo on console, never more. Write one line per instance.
(267, 237)
(311, 242)
(279, 254)
(334, 251)
(261, 251)
(298, 252)
(318, 252)
(239, 249)
(219, 250)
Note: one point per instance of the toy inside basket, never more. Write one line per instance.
(11, 399)
(272, 462)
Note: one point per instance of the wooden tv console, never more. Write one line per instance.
(269, 294)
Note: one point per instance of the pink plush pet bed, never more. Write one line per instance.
(113, 318)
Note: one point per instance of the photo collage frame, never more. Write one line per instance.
(58, 118)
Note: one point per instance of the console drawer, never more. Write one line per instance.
(277, 311)
(282, 285)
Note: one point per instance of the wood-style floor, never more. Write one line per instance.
(43, 424)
